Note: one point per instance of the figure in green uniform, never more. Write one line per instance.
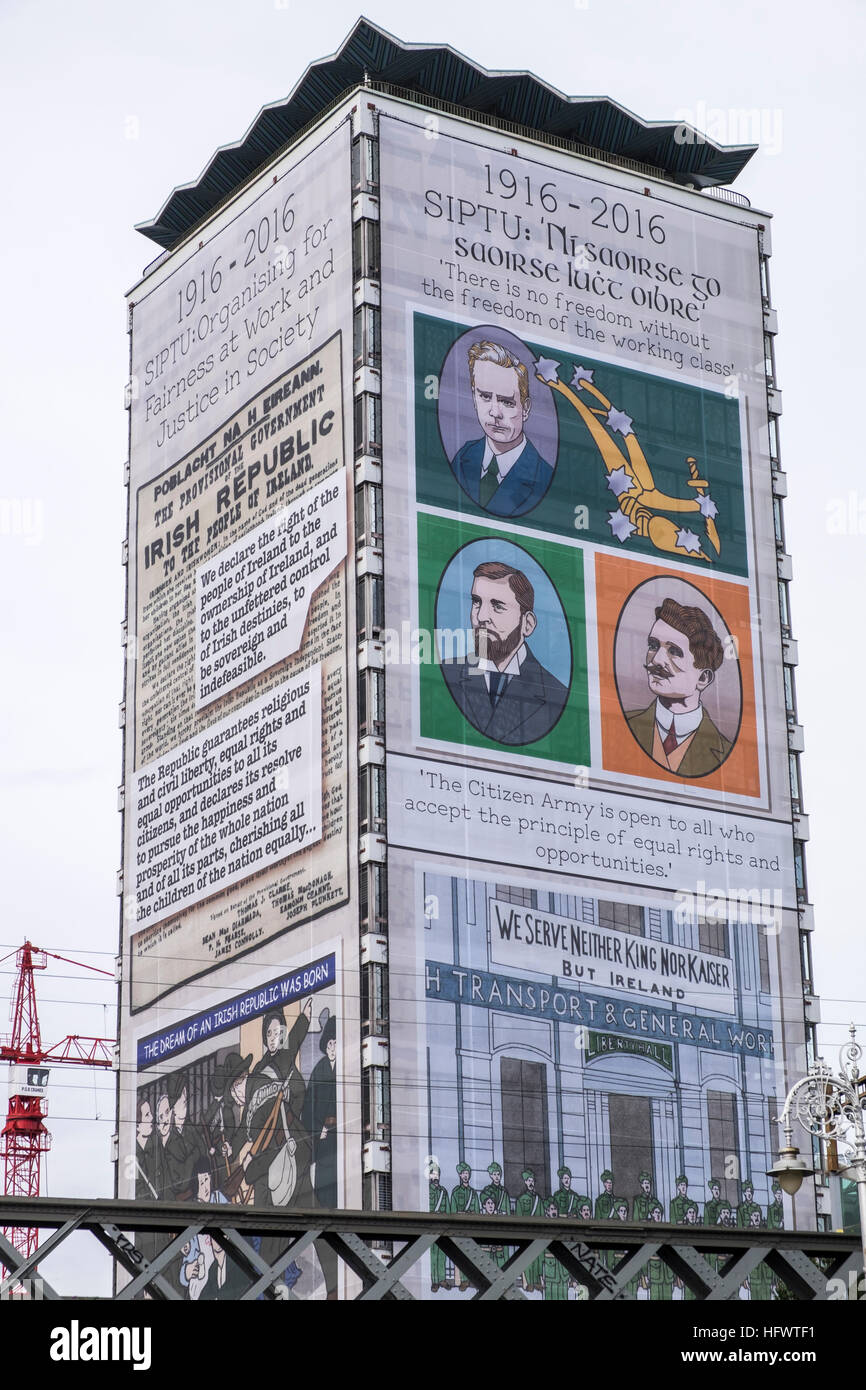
(555, 1277)
(691, 1220)
(497, 1253)
(583, 1212)
(726, 1217)
(761, 1283)
(566, 1200)
(775, 1215)
(645, 1199)
(747, 1204)
(712, 1218)
(529, 1204)
(661, 1277)
(496, 1190)
(761, 1278)
(440, 1204)
(501, 1201)
(605, 1200)
(464, 1199)
(712, 1207)
(612, 1258)
(681, 1201)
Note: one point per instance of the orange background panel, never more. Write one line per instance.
(616, 577)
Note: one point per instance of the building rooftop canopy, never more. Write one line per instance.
(369, 55)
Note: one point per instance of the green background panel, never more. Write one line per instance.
(672, 421)
(439, 538)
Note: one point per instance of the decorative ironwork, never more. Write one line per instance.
(378, 1250)
(827, 1105)
(830, 1106)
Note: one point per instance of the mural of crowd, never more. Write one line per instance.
(547, 1276)
(236, 1129)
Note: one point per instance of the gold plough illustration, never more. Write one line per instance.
(637, 497)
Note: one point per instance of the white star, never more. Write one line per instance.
(708, 506)
(688, 541)
(619, 481)
(620, 525)
(580, 374)
(546, 368)
(618, 420)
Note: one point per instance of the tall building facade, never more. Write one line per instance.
(463, 832)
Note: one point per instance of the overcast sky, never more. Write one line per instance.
(105, 108)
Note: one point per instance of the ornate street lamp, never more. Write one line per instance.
(829, 1106)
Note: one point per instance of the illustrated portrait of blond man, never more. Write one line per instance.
(501, 471)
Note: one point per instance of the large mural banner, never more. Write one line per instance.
(240, 690)
(614, 453)
(238, 917)
(243, 1110)
(527, 584)
(585, 688)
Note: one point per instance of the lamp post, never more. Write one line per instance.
(830, 1106)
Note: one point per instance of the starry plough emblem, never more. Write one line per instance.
(640, 507)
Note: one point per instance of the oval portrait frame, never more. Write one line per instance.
(721, 698)
(533, 568)
(456, 418)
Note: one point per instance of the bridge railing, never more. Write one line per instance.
(406, 1256)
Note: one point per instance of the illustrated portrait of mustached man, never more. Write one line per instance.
(683, 655)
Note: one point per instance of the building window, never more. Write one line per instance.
(713, 937)
(368, 424)
(372, 257)
(374, 999)
(365, 164)
(376, 1106)
(724, 1143)
(365, 250)
(631, 1143)
(800, 870)
(525, 1141)
(790, 697)
(769, 359)
(775, 453)
(806, 960)
(764, 959)
(621, 916)
(370, 595)
(368, 515)
(765, 280)
(371, 703)
(373, 896)
(522, 897)
(366, 336)
(371, 800)
(784, 609)
(794, 775)
(774, 1129)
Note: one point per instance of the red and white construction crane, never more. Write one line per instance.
(25, 1138)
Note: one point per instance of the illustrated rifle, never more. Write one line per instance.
(231, 1187)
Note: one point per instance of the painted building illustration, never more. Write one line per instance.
(250, 1123)
(647, 1076)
